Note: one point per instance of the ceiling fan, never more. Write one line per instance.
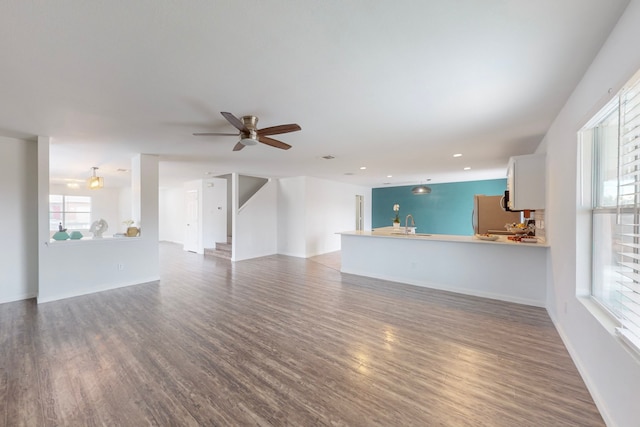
(250, 135)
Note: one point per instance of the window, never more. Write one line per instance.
(614, 135)
(73, 212)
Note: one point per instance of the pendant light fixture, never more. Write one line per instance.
(420, 190)
(95, 182)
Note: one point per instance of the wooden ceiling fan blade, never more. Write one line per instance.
(239, 146)
(275, 130)
(236, 122)
(273, 142)
(214, 133)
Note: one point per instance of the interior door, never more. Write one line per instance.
(217, 210)
(191, 231)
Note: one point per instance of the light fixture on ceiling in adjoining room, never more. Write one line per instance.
(95, 182)
(421, 189)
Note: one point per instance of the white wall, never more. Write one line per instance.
(214, 211)
(124, 209)
(248, 186)
(194, 186)
(172, 215)
(611, 373)
(311, 211)
(331, 208)
(255, 226)
(71, 268)
(229, 202)
(291, 216)
(19, 219)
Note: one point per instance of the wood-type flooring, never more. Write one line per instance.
(283, 341)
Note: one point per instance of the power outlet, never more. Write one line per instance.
(120, 267)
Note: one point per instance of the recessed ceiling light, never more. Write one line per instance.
(73, 185)
(362, 168)
(208, 173)
(122, 170)
(389, 176)
(468, 168)
(348, 173)
(328, 157)
(457, 155)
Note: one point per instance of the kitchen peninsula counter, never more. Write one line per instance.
(399, 234)
(501, 269)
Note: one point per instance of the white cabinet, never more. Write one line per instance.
(526, 182)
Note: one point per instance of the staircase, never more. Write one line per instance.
(222, 249)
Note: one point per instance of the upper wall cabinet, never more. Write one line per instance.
(526, 182)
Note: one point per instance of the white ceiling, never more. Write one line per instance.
(398, 87)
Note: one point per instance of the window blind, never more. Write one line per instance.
(627, 289)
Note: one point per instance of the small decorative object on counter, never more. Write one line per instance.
(131, 231)
(98, 227)
(60, 235)
(396, 219)
(75, 235)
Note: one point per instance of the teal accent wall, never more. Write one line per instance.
(446, 210)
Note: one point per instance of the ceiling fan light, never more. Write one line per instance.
(420, 189)
(248, 141)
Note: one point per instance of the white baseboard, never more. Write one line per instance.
(584, 373)
(100, 288)
(463, 291)
(19, 297)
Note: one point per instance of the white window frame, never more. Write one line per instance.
(615, 259)
(65, 211)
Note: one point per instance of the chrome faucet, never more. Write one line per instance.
(406, 224)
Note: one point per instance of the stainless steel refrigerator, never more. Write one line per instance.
(489, 217)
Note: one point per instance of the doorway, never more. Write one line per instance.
(192, 229)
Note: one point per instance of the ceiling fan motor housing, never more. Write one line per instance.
(251, 123)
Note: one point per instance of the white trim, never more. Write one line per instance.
(448, 288)
(99, 288)
(584, 373)
(19, 297)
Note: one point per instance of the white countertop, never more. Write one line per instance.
(391, 233)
